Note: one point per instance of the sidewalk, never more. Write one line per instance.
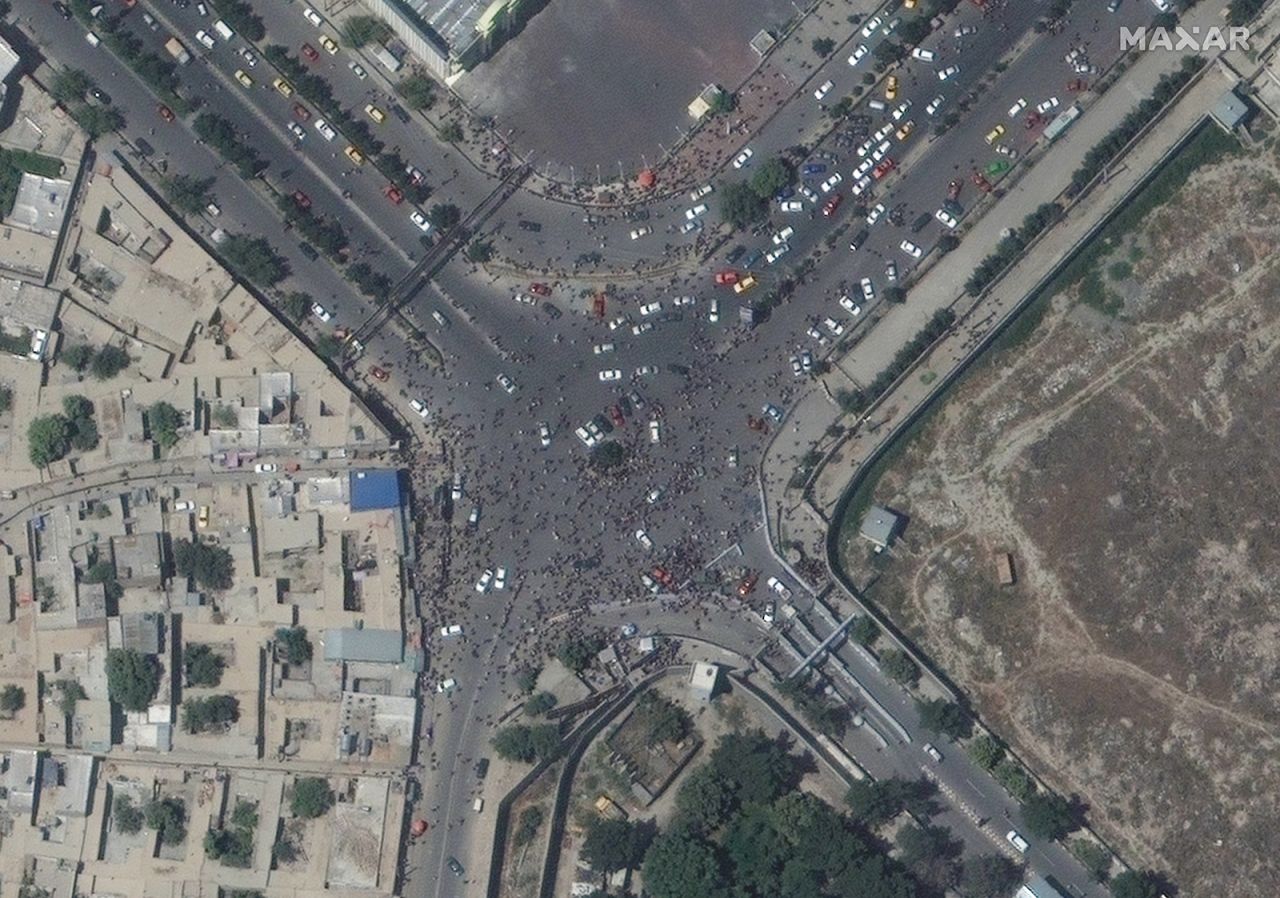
(790, 515)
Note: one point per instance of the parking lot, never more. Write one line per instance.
(590, 84)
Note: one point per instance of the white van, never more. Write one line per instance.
(478, 805)
(92, 38)
(223, 31)
(877, 105)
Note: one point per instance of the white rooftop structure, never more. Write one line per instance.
(703, 679)
(41, 204)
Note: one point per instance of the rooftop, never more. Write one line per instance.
(375, 489)
(378, 646)
(879, 525)
(41, 204)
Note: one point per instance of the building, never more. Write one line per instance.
(703, 680)
(1004, 568)
(370, 646)
(374, 490)
(1038, 887)
(1230, 112)
(452, 36)
(880, 526)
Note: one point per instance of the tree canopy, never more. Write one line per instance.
(312, 797)
(212, 566)
(520, 742)
(611, 845)
(944, 718)
(132, 678)
(1048, 815)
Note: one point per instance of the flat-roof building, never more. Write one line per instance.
(703, 680)
(1038, 887)
(451, 36)
(880, 526)
(377, 646)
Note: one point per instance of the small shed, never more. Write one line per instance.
(1230, 112)
(1004, 568)
(880, 526)
(703, 680)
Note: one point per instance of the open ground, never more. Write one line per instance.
(1123, 452)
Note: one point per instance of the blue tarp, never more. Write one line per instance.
(371, 490)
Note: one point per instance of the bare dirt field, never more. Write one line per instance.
(1125, 452)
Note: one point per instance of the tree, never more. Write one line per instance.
(204, 666)
(296, 645)
(677, 866)
(772, 175)
(864, 631)
(254, 259)
(758, 767)
(217, 712)
(662, 720)
(328, 346)
(895, 295)
(986, 752)
(1095, 858)
(188, 194)
(704, 801)
(444, 215)
(942, 717)
(69, 86)
(741, 206)
(527, 826)
(48, 439)
(898, 666)
(69, 693)
(164, 421)
(874, 802)
(98, 120)
(364, 29)
(931, 853)
(451, 133)
(607, 455)
(578, 653)
(108, 362)
(527, 679)
(211, 566)
(1016, 781)
(527, 743)
(540, 704)
(12, 699)
(888, 52)
(1136, 884)
(124, 816)
(823, 46)
(479, 251)
(295, 305)
(168, 817)
(989, 876)
(611, 845)
(132, 679)
(1048, 815)
(312, 797)
(418, 90)
(78, 356)
(723, 102)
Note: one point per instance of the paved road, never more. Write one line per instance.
(566, 533)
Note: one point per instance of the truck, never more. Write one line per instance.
(177, 50)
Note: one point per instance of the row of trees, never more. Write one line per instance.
(743, 203)
(70, 88)
(855, 401)
(1011, 246)
(160, 74)
(326, 234)
(102, 363)
(167, 816)
(221, 135)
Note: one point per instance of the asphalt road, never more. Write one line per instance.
(566, 534)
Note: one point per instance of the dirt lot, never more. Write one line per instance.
(1124, 452)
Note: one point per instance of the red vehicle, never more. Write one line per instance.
(392, 192)
(301, 113)
(1034, 119)
(748, 584)
(830, 206)
(1075, 85)
(726, 278)
(663, 576)
(419, 829)
(982, 183)
(757, 424)
(165, 112)
(310, 52)
(540, 289)
(378, 373)
(615, 414)
(886, 165)
(302, 199)
(953, 189)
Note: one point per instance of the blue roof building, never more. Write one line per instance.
(373, 490)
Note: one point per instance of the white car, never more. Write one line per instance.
(654, 495)
(420, 221)
(456, 493)
(932, 107)
(321, 312)
(684, 300)
(823, 89)
(743, 158)
(817, 335)
(768, 616)
(796, 368)
(836, 328)
(863, 168)
(184, 505)
(312, 16)
(891, 270)
(419, 408)
(1017, 841)
(588, 439)
(650, 584)
(525, 299)
(791, 206)
(1017, 107)
(881, 151)
(898, 112)
(644, 540)
(206, 38)
(911, 249)
(700, 209)
(780, 588)
(506, 383)
(776, 253)
(265, 468)
(872, 24)
(886, 130)
(946, 218)
(646, 371)
(783, 236)
(701, 192)
(602, 348)
(713, 313)
(651, 308)
(868, 289)
(859, 53)
(655, 431)
(690, 226)
(808, 193)
(874, 215)
(610, 374)
(923, 55)
(865, 147)
(325, 130)
(358, 70)
(847, 303)
(965, 31)
(637, 233)
(831, 182)
(948, 72)
(861, 185)
(500, 579)
(642, 328)
(451, 630)
(446, 685)
(1051, 103)
(482, 585)
(296, 130)
(933, 753)
(544, 435)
